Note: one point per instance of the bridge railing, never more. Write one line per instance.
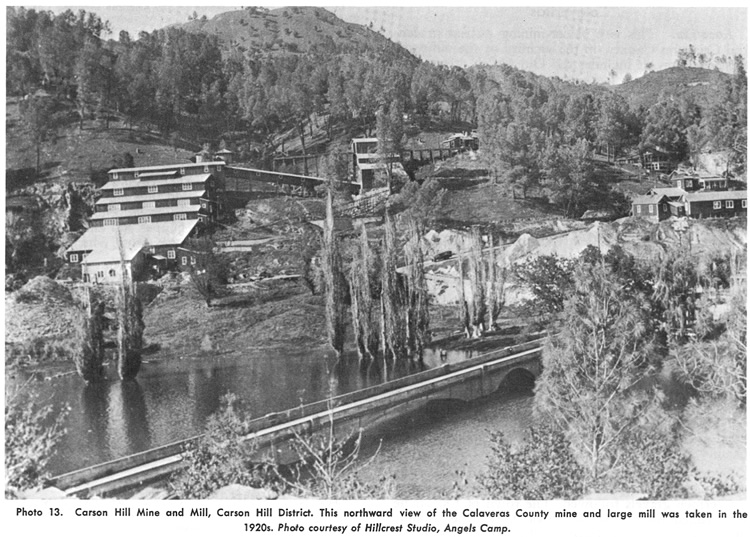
(75, 478)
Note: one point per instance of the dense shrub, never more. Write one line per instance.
(541, 468)
(31, 433)
(220, 457)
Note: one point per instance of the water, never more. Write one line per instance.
(171, 400)
(430, 450)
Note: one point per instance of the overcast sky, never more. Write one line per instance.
(569, 42)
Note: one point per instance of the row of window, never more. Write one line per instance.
(143, 219)
(152, 189)
(638, 209)
(170, 255)
(99, 274)
(729, 204)
(151, 205)
(206, 169)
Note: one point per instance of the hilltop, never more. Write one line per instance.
(292, 30)
(700, 85)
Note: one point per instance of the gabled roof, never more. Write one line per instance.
(716, 195)
(153, 234)
(180, 194)
(112, 254)
(167, 173)
(648, 199)
(133, 183)
(103, 215)
(670, 192)
(168, 166)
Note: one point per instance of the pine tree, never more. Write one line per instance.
(592, 366)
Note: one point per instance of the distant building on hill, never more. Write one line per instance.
(653, 206)
(462, 141)
(365, 161)
(368, 165)
(715, 204)
(659, 161)
(685, 181)
(692, 181)
(662, 203)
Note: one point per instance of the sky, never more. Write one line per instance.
(570, 42)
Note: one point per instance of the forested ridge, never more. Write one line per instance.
(247, 76)
(643, 302)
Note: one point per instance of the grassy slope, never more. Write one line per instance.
(283, 316)
(74, 153)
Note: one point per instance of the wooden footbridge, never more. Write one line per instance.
(471, 379)
(238, 179)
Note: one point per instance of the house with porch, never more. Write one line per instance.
(462, 141)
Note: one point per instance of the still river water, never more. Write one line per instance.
(171, 400)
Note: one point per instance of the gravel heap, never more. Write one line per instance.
(40, 309)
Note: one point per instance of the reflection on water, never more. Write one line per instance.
(171, 400)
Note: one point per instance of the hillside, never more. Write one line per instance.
(675, 82)
(292, 29)
(73, 154)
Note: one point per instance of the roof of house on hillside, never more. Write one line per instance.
(670, 192)
(716, 195)
(181, 194)
(153, 234)
(103, 215)
(462, 136)
(705, 174)
(132, 183)
(168, 166)
(167, 173)
(648, 199)
(111, 253)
